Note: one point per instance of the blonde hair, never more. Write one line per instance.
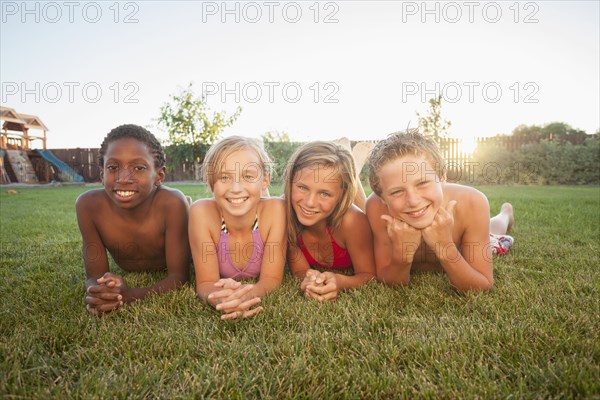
(320, 154)
(218, 152)
(400, 144)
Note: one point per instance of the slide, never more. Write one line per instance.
(61, 165)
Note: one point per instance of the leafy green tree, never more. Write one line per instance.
(556, 129)
(527, 131)
(280, 149)
(560, 129)
(191, 130)
(553, 130)
(432, 123)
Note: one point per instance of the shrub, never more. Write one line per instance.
(280, 149)
(545, 163)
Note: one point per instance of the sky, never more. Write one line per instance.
(315, 70)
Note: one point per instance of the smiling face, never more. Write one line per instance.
(316, 191)
(238, 186)
(411, 189)
(129, 175)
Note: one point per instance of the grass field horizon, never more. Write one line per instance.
(534, 335)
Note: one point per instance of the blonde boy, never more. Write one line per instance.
(422, 222)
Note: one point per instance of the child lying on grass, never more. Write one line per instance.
(326, 227)
(141, 223)
(421, 222)
(237, 234)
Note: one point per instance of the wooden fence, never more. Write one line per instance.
(85, 161)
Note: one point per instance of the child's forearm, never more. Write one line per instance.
(203, 290)
(91, 282)
(460, 273)
(397, 272)
(264, 286)
(353, 281)
(300, 274)
(394, 275)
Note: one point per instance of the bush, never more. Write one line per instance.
(280, 149)
(545, 163)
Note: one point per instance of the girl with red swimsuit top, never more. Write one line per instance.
(325, 228)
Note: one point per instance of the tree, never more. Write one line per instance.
(560, 129)
(552, 131)
(432, 124)
(190, 129)
(280, 148)
(526, 131)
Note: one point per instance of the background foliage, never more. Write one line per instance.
(280, 149)
(432, 123)
(545, 163)
(191, 130)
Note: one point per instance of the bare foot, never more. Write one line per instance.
(507, 209)
(361, 152)
(344, 142)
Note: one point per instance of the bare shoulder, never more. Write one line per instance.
(374, 202)
(170, 196)
(90, 200)
(472, 206)
(464, 195)
(206, 209)
(272, 209)
(353, 217)
(375, 207)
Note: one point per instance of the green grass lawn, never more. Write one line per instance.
(535, 335)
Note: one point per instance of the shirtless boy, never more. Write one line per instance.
(140, 222)
(421, 222)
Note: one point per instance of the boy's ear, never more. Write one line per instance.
(160, 175)
(101, 175)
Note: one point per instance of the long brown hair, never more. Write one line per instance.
(327, 155)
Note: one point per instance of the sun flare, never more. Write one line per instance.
(467, 145)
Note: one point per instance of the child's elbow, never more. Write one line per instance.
(180, 279)
(488, 284)
(395, 282)
(484, 286)
(368, 277)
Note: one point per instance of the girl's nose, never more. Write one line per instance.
(310, 199)
(236, 185)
